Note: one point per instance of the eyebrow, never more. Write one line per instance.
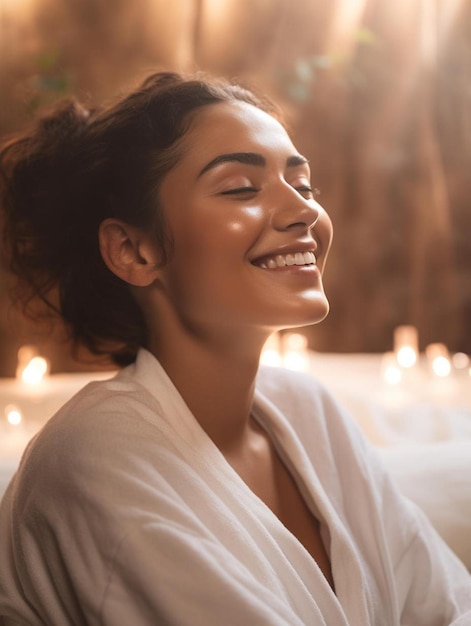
(250, 158)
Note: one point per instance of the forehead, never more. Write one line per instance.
(234, 127)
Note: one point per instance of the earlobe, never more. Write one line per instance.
(129, 252)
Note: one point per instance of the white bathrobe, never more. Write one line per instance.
(124, 513)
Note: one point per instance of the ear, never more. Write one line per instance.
(129, 252)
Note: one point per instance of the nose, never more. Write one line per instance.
(293, 211)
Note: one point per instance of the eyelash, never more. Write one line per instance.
(239, 190)
(312, 190)
(242, 190)
(304, 189)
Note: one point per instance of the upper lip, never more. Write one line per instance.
(290, 248)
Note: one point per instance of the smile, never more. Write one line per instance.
(287, 260)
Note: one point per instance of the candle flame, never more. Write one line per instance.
(271, 357)
(34, 371)
(441, 366)
(295, 341)
(406, 356)
(13, 414)
(406, 346)
(460, 360)
(391, 369)
(439, 359)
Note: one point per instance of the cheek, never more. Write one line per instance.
(245, 217)
(225, 231)
(324, 233)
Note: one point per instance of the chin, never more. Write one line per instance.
(308, 314)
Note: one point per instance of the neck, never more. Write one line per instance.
(216, 379)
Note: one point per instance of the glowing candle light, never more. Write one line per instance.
(460, 360)
(441, 366)
(391, 370)
(295, 341)
(13, 414)
(295, 355)
(31, 368)
(25, 354)
(271, 354)
(35, 371)
(406, 356)
(438, 357)
(406, 345)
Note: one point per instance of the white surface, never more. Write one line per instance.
(421, 409)
(422, 428)
(437, 477)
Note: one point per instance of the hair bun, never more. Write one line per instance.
(65, 121)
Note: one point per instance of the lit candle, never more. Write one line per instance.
(13, 414)
(31, 368)
(390, 369)
(406, 345)
(295, 354)
(271, 353)
(460, 361)
(439, 359)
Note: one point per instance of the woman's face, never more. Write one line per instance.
(250, 241)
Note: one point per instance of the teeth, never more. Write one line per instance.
(307, 257)
(282, 260)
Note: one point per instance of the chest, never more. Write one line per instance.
(292, 510)
(268, 477)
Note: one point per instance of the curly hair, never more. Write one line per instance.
(76, 167)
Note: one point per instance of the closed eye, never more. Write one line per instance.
(239, 190)
(305, 190)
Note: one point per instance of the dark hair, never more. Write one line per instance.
(74, 168)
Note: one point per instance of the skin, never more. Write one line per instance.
(212, 301)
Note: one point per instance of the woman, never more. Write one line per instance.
(175, 231)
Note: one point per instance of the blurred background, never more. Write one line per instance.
(377, 94)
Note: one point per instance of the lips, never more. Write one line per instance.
(286, 260)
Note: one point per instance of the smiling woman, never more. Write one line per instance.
(176, 231)
(243, 207)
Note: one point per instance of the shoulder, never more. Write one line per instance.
(99, 439)
(302, 399)
(279, 381)
(97, 414)
(88, 479)
(321, 425)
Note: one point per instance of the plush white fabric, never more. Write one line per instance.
(437, 477)
(7, 469)
(124, 512)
